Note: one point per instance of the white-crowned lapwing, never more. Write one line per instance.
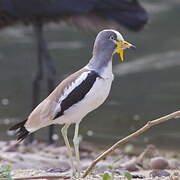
(78, 94)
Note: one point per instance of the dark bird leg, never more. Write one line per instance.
(39, 74)
(51, 75)
(42, 55)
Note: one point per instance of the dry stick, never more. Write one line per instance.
(127, 138)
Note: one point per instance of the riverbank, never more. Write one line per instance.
(43, 161)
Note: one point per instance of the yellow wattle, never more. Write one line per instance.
(120, 51)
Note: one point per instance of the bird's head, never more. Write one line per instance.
(111, 41)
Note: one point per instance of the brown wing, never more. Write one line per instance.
(43, 114)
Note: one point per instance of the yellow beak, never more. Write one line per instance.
(121, 46)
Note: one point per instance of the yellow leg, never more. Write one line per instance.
(64, 134)
(76, 147)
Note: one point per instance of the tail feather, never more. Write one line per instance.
(22, 132)
(17, 126)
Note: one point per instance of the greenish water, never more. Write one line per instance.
(147, 84)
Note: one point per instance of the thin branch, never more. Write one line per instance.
(127, 138)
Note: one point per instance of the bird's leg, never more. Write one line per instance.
(76, 147)
(66, 141)
(49, 67)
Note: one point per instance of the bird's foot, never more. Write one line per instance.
(75, 174)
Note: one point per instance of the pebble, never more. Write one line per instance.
(175, 176)
(159, 163)
(159, 173)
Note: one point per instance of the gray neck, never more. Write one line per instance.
(100, 62)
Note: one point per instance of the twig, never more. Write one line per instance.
(127, 138)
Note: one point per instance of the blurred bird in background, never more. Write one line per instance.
(89, 15)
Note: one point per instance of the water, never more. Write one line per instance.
(146, 84)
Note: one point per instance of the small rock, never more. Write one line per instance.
(159, 173)
(175, 176)
(55, 170)
(131, 165)
(138, 176)
(102, 166)
(174, 163)
(159, 163)
(86, 148)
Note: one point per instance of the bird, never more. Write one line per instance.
(79, 94)
(86, 15)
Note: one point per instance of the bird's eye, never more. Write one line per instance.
(112, 38)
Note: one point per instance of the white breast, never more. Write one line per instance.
(93, 99)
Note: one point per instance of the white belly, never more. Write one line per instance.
(95, 97)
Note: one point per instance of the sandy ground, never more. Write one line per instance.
(42, 161)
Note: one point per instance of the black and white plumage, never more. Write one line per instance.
(78, 94)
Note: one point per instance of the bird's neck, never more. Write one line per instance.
(102, 64)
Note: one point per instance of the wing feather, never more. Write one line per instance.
(44, 113)
(77, 92)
